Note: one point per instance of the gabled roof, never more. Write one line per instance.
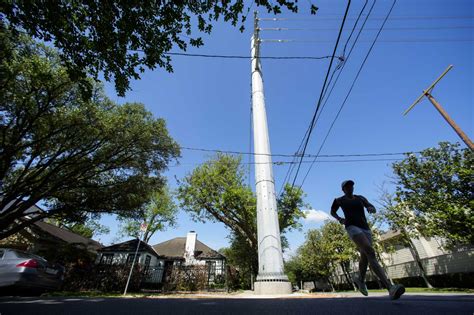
(66, 235)
(174, 249)
(389, 235)
(129, 246)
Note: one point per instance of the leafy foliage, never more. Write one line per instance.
(216, 191)
(81, 157)
(323, 250)
(89, 228)
(186, 278)
(122, 38)
(158, 213)
(434, 194)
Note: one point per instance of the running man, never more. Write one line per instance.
(359, 232)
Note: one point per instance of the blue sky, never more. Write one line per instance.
(206, 102)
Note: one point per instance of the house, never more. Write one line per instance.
(189, 251)
(435, 259)
(124, 254)
(447, 267)
(45, 239)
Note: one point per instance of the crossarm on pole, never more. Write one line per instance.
(428, 90)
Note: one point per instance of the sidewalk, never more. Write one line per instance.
(295, 295)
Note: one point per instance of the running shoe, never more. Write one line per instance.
(361, 286)
(396, 291)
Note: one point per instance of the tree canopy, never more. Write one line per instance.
(158, 213)
(216, 191)
(434, 194)
(77, 156)
(122, 38)
(322, 251)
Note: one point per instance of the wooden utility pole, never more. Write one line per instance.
(441, 110)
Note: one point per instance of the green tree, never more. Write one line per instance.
(216, 191)
(400, 218)
(80, 157)
(314, 259)
(338, 246)
(158, 213)
(242, 257)
(89, 229)
(122, 38)
(323, 250)
(294, 270)
(434, 194)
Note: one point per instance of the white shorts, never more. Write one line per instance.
(353, 230)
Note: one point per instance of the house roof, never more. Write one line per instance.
(129, 246)
(389, 234)
(175, 248)
(67, 236)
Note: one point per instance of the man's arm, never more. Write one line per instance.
(370, 207)
(334, 207)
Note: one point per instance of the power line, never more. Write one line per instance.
(406, 40)
(297, 155)
(279, 163)
(346, 60)
(340, 67)
(374, 18)
(353, 29)
(309, 130)
(350, 89)
(322, 90)
(246, 57)
(342, 61)
(422, 28)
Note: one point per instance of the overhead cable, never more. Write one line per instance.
(350, 90)
(322, 89)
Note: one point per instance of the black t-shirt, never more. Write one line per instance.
(353, 210)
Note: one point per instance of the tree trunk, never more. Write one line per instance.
(384, 266)
(415, 254)
(330, 284)
(347, 276)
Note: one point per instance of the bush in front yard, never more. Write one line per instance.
(104, 278)
(186, 278)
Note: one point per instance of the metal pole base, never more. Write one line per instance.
(272, 287)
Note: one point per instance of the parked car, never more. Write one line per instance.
(19, 269)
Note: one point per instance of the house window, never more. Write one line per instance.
(147, 262)
(130, 258)
(106, 259)
(211, 267)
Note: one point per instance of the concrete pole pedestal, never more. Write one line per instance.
(273, 287)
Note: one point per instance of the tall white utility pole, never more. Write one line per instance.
(271, 278)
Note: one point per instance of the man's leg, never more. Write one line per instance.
(365, 247)
(360, 280)
(363, 264)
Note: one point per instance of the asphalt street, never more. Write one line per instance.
(409, 304)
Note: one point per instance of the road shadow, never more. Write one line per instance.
(407, 305)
